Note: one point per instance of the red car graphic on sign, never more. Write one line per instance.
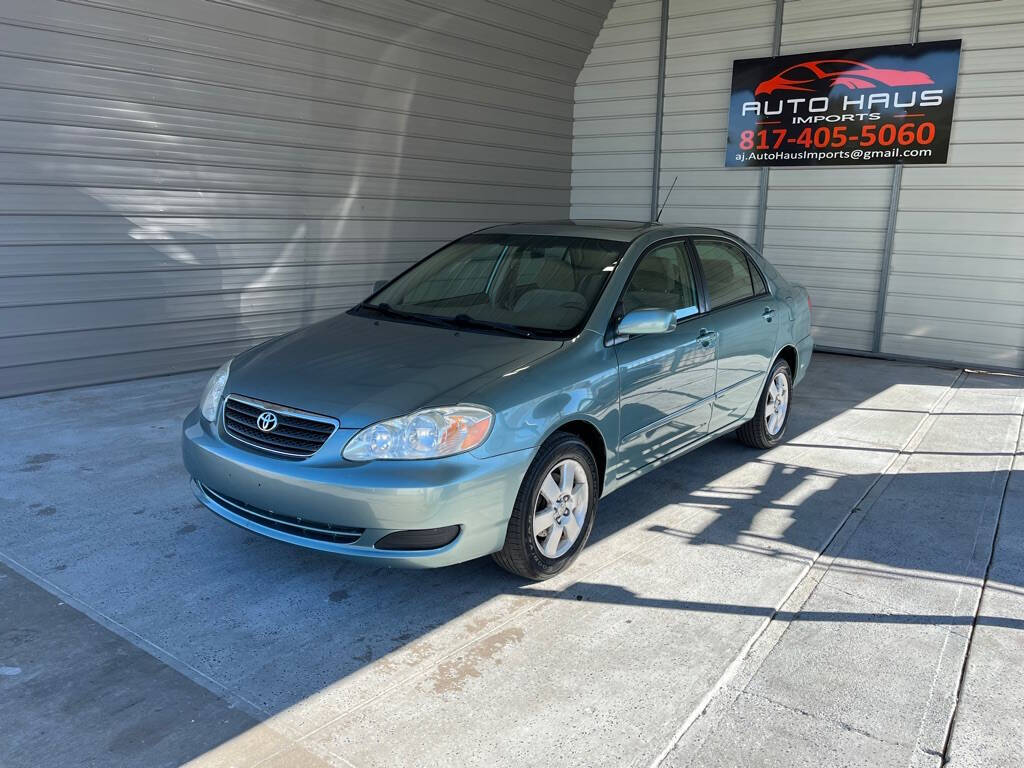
(855, 75)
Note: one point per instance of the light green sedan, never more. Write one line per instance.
(483, 401)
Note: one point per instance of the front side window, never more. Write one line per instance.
(536, 283)
(662, 280)
(727, 272)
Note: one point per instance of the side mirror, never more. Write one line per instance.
(379, 284)
(643, 321)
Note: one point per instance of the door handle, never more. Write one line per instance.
(706, 337)
(768, 314)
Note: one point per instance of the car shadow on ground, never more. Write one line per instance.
(382, 610)
(275, 626)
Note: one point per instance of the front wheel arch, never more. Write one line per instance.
(590, 434)
(522, 553)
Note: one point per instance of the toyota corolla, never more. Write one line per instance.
(483, 401)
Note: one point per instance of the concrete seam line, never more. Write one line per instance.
(947, 741)
(864, 503)
(939, 708)
(159, 652)
(534, 606)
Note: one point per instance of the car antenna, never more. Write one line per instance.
(658, 217)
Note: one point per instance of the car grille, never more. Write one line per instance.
(298, 434)
(297, 526)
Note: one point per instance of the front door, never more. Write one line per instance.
(746, 318)
(666, 380)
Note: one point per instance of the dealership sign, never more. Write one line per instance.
(875, 106)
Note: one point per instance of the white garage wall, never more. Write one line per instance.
(956, 289)
(615, 112)
(704, 36)
(614, 115)
(182, 179)
(825, 227)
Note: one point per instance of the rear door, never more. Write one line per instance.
(746, 318)
(666, 380)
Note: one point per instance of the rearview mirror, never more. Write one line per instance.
(642, 321)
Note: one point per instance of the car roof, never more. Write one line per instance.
(620, 230)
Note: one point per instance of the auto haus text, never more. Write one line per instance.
(860, 107)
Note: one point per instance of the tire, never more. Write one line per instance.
(763, 431)
(535, 554)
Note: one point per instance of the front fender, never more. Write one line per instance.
(578, 383)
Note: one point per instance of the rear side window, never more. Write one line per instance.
(756, 280)
(727, 272)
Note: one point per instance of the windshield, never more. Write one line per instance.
(511, 283)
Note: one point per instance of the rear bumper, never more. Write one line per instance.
(364, 501)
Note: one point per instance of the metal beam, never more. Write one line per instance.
(934, 361)
(883, 273)
(762, 208)
(659, 114)
(762, 193)
(894, 209)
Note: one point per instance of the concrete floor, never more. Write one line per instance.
(819, 604)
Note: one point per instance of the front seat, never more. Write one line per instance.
(554, 302)
(555, 275)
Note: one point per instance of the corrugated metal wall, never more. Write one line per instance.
(957, 281)
(825, 227)
(183, 179)
(704, 36)
(956, 289)
(615, 113)
(613, 129)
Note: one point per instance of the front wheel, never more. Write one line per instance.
(554, 511)
(768, 426)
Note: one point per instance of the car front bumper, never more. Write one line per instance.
(373, 498)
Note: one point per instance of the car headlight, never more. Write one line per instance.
(210, 401)
(427, 434)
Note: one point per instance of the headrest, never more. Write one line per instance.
(555, 275)
(652, 280)
(543, 298)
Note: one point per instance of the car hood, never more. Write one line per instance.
(361, 370)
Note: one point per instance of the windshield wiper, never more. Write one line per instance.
(473, 322)
(461, 320)
(386, 309)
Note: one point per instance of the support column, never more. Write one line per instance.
(762, 194)
(659, 114)
(894, 205)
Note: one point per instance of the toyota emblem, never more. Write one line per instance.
(267, 421)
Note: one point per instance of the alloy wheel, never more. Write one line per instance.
(561, 508)
(776, 403)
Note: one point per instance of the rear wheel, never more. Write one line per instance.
(554, 511)
(768, 426)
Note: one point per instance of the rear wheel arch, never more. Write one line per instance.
(789, 354)
(759, 432)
